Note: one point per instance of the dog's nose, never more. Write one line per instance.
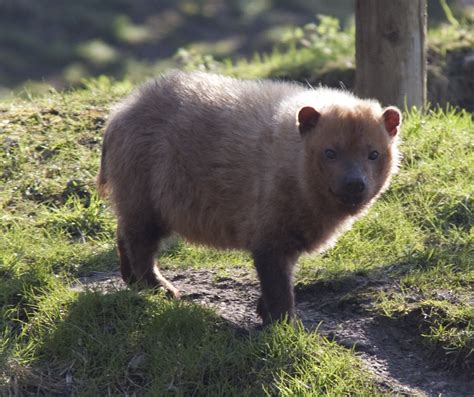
(354, 185)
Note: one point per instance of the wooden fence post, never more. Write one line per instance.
(390, 51)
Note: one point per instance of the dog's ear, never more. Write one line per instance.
(307, 119)
(392, 118)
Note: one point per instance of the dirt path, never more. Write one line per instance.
(387, 348)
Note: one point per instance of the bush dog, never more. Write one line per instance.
(273, 168)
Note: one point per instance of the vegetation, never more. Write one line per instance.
(417, 241)
(414, 250)
(137, 39)
(54, 229)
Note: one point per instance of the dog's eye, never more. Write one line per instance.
(373, 155)
(330, 154)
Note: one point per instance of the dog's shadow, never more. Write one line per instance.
(125, 341)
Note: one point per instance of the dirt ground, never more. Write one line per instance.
(389, 349)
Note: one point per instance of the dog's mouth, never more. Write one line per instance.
(348, 200)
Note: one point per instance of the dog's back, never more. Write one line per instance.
(201, 150)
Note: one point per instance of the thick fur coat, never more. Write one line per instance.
(269, 167)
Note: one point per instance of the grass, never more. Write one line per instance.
(126, 37)
(436, 276)
(420, 236)
(124, 343)
(136, 39)
(324, 53)
(303, 53)
(416, 242)
(55, 340)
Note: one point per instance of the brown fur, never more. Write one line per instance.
(242, 165)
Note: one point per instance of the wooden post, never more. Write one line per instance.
(390, 51)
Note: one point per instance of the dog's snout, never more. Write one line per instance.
(354, 185)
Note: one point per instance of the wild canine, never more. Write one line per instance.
(273, 168)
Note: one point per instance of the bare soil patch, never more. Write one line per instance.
(389, 349)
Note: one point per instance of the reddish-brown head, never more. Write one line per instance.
(350, 150)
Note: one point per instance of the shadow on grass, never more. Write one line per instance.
(397, 347)
(126, 342)
(103, 261)
(126, 36)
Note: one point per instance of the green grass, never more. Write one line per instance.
(303, 53)
(125, 37)
(53, 229)
(435, 190)
(124, 342)
(122, 40)
(420, 236)
(416, 242)
(324, 52)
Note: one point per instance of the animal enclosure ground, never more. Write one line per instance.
(399, 285)
(389, 349)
